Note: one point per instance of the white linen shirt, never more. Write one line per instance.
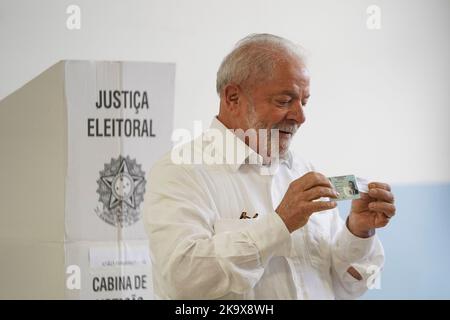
(201, 249)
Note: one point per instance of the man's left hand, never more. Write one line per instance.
(373, 210)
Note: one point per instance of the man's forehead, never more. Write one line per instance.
(290, 74)
(289, 85)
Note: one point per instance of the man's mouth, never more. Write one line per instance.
(285, 132)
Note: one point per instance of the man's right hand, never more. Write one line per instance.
(298, 205)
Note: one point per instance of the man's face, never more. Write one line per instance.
(278, 103)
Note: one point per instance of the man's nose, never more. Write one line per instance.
(297, 113)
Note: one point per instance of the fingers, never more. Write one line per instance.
(388, 209)
(317, 206)
(379, 185)
(312, 179)
(382, 220)
(319, 192)
(382, 195)
(366, 197)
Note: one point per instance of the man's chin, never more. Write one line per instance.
(282, 154)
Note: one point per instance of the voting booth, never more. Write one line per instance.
(77, 143)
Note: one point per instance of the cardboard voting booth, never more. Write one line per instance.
(76, 145)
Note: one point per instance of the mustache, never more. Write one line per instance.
(286, 126)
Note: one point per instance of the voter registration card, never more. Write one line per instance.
(346, 186)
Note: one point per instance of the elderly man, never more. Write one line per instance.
(235, 230)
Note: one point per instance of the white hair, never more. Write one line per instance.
(255, 57)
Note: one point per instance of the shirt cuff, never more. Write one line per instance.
(271, 236)
(352, 248)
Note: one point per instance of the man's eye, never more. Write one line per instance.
(283, 102)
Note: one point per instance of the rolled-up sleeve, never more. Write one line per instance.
(366, 255)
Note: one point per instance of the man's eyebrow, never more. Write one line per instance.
(289, 93)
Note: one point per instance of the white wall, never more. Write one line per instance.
(380, 98)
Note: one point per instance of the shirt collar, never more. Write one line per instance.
(242, 152)
(289, 159)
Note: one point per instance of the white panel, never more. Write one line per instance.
(108, 159)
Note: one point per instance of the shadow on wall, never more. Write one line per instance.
(417, 244)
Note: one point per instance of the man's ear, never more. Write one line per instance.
(232, 96)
